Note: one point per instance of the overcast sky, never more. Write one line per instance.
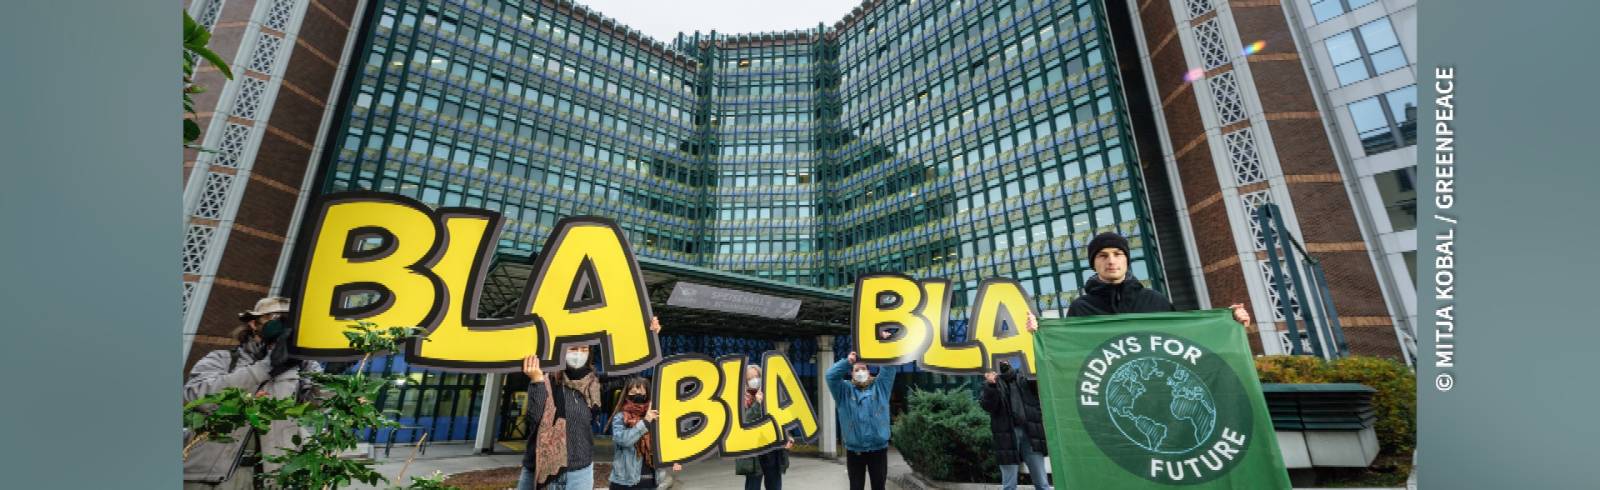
(664, 19)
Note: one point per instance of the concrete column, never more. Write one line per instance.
(488, 413)
(827, 424)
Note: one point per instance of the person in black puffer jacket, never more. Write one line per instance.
(1017, 423)
(1113, 290)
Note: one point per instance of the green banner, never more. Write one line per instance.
(1155, 400)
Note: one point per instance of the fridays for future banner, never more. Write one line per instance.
(1155, 400)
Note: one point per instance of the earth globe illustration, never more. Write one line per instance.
(1160, 405)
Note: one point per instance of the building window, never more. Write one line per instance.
(1225, 94)
(1328, 9)
(1201, 7)
(1246, 161)
(1253, 202)
(214, 196)
(1398, 190)
(195, 244)
(1387, 121)
(265, 55)
(1365, 52)
(279, 14)
(1214, 51)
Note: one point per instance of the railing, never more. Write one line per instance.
(1322, 329)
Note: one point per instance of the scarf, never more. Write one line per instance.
(552, 435)
(632, 414)
(586, 384)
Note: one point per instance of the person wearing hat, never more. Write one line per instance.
(259, 365)
(1114, 290)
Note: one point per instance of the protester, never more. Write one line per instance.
(1017, 423)
(560, 453)
(863, 411)
(1113, 290)
(259, 365)
(770, 466)
(560, 445)
(632, 463)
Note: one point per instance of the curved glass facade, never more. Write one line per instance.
(939, 139)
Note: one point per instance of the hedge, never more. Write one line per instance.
(944, 435)
(1395, 402)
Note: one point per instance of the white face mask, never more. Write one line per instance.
(754, 383)
(576, 359)
(862, 376)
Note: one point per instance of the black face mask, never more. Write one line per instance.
(1005, 368)
(578, 372)
(640, 399)
(273, 330)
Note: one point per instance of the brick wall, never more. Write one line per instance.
(250, 257)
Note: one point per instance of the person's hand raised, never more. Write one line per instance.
(1240, 314)
(1033, 324)
(989, 377)
(530, 367)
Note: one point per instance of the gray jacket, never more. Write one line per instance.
(212, 461)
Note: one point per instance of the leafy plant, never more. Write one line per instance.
(342, 408)
(1395, 401)
(216, 416)
(195, 39)
(944, 434)
(430, 482)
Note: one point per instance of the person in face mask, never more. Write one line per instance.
(863, 411)
(1017, 423)
(631, 463)
(768, 467)
(260, 365)
(560, 446)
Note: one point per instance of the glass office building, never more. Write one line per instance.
(954, 139)
(982, 139)
(958, 139)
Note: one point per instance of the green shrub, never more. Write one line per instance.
(944, 435)
(1395, 401)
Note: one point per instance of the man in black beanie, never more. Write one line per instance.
(1113, 290)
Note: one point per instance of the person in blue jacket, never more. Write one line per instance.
(863, 410)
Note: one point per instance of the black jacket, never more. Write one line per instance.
(569, 404)
(1001, 419)
(1128, 296)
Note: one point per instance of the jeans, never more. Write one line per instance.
(860, 464)
(574, 479)
(771, 472)
(1008, 472)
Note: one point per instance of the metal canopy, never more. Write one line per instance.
(822, 311)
